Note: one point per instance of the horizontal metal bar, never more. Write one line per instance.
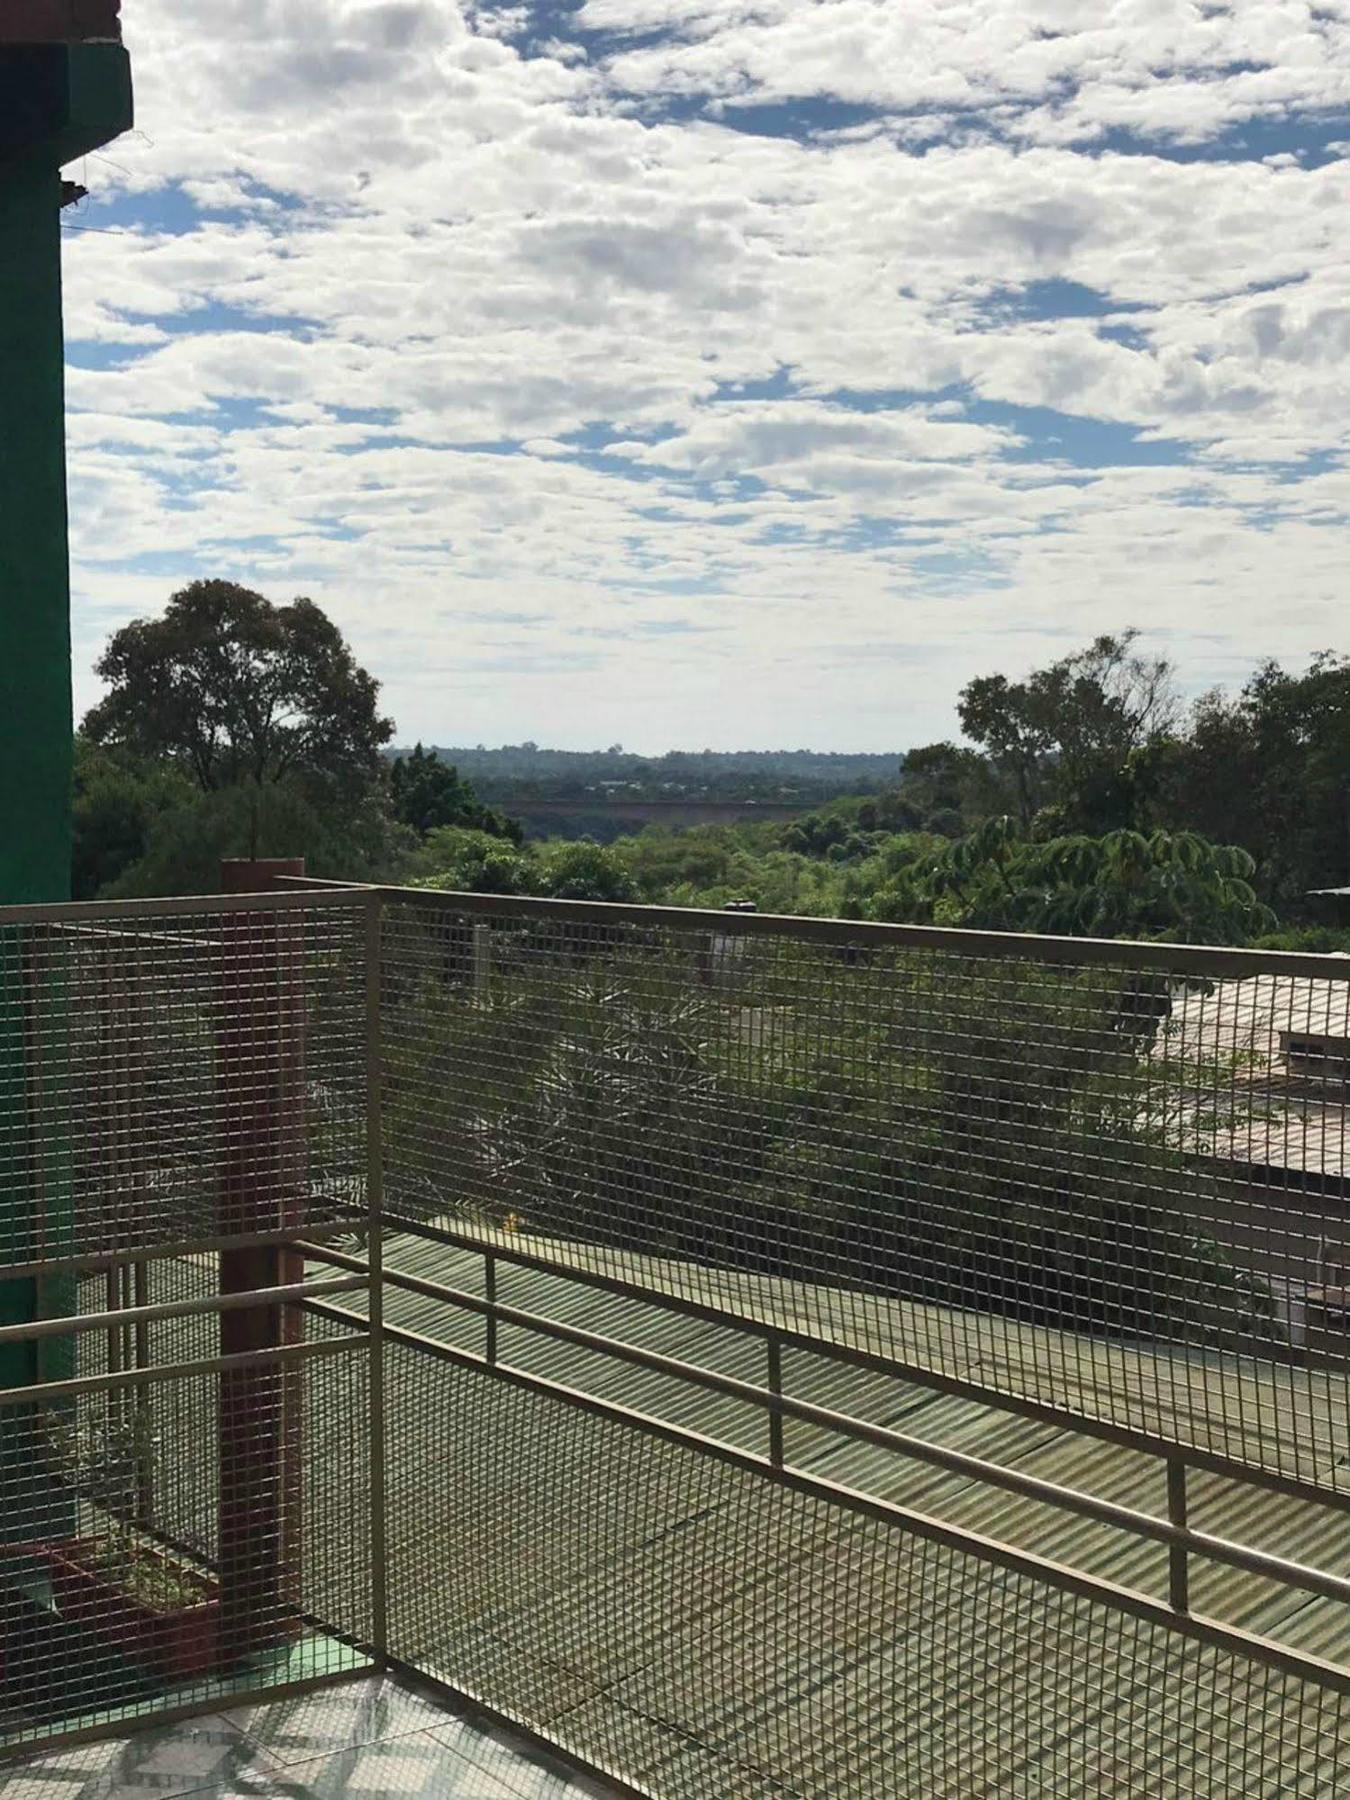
(901, 1443)
(1128, 1437)
(43, 1393)
(65, 1325)
(1196, 1626)
(172, 1249)
(77, 912)
(128, 1717)
(1124, 953)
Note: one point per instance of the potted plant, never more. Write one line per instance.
(116, 1582)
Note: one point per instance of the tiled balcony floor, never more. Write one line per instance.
(371, 1738)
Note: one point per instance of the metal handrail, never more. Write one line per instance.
(1017, 1481)
(77, 912)
(44, 1393)
(67, 1324)
(1199, 959)
(1087, 1424)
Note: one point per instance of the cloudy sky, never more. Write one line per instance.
(727, 372)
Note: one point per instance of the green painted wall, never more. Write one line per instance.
(56, 103)
(35, 717)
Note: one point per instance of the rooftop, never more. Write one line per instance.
(1282, 1113)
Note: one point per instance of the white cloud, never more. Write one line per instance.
(466, 328)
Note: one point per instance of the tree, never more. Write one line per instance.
(234, 690)
(1270, 770)
(946, 784)
(585, 871)
(117, 801)
(1065, 735)
(458, 859)
(351, 838)
(1170, 885)
(428, 793)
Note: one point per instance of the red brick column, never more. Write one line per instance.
(260, 1050)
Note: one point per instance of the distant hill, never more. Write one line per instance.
(526, 771)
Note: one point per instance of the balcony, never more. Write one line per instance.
(747, 1356)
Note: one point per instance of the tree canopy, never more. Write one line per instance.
(428, 793)
(1066, 733)
(1269, 768)
(1171, 885)
(233, 689)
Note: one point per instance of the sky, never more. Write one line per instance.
(731, 373)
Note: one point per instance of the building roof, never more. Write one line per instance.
(1249, 1103)
(687, 1623)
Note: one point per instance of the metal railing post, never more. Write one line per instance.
(379, 1547)
(490, 1317)
(774, 1350)
(1178, 1557)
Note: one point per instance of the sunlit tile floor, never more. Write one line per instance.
(372, 1738)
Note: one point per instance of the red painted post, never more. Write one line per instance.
(262, 1114)
(60, 21)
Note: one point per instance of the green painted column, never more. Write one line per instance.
(35, 715)
(57, 102)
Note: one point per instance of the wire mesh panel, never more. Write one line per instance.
(697, 1629)
(1109, 1179)
(175, 1074)
(116, 1603)
(184, 1470)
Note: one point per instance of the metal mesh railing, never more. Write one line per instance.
(184, 1461)
(1094, 1177)
(700, 1631)
(762, 1357)
(845, 1360)
(119, 1598)
(176, 1071)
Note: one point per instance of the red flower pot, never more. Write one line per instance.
(175, 1641)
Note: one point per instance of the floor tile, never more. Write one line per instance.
(373, 1739)
(318, 1724)
(507, 1766)
(64, 1775)
(169, 1761)
(415, 1766)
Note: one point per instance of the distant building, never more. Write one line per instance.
(1334, 903)
(1266, 1118)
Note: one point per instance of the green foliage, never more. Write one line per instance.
(1066, 733)
(1168, 885)
(1316, 940)
(426, 793)
(584, 871)
(1270, 769)
(458, 859)
(185, 841)
(938, 1138)
(233, 689)
(702, 860)
(117, 801)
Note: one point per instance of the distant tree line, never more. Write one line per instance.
(520, 772)
(1087, 798)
